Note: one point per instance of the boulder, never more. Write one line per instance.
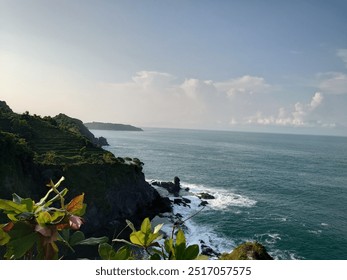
(205, 196)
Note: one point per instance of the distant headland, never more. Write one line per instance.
(111, 126)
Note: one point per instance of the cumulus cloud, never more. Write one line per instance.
(298, 115)
(160, 99)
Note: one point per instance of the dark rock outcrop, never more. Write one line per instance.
(205, 196)
(172, 187)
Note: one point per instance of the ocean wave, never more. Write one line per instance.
(223, 198)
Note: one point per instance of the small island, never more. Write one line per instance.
(111, 126)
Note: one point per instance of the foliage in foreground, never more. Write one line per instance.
(150, 244)
(36, 230)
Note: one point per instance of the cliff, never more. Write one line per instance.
(35, 150)
(111, 126)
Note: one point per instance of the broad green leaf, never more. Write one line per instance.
(26, 201)
(180, 238)
(17, 247)
(76, 238)
(93, 241)
(4, 237)
(44, 218)
(146, 226)
(191, 252)
(29, 203)
(168, 245)
(138, 238)
(10, 207)
(76, 204)
(106, 251)
(123, 253)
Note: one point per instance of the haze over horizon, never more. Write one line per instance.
(264, 66)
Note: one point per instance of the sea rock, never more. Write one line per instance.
(182, 201)
(205, 195)
(172, 187)
(203, 203)
(102, 141)
(207, 250)
(248, 251)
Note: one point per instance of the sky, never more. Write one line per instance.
(242, 65)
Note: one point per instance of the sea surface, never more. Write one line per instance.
(288, 192)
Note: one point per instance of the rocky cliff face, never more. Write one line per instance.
(35, 150)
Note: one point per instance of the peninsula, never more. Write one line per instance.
(111, 126)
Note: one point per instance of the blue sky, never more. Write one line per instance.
(277, 66)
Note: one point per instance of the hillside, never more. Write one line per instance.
(111, 126)
(35, 150)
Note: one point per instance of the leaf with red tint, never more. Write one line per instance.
(76, 204)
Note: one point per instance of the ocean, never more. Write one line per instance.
(289, 192)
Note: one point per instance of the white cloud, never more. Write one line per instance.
(244, 85)
(333, 83)
(159, 99)
(156, 79)
(300, 115)
(342, 53)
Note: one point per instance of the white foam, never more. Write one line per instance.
(223, 198)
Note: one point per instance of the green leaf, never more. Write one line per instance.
(10, 207)
(138, 238)
(44, 218)
(29, 203)
(4, 237)
(93, 241)
(17, 248)
(146, 226)
(180, 238)
(191, 252)
(22, 240)
(76, 238)
(106, 252)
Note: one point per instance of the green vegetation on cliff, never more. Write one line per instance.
(111, 126)
(36, 150)
(248, 251)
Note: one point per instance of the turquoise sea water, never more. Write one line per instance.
(287, 191)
